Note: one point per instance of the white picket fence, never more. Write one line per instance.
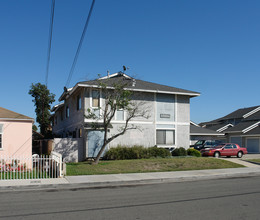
(34, 167)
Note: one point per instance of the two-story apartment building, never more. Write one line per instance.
(168, 124)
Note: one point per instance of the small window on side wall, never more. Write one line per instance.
(78, 102)
(80, 133)
(67, 112)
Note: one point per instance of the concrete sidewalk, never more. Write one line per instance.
(90, 181)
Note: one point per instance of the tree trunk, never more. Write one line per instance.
(100, 153)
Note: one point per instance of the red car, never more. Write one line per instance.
(227, 150)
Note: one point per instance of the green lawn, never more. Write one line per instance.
(148, 165)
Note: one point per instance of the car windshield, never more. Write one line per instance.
(199, 142)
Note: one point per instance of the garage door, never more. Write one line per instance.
(236, 140)
(252, 145)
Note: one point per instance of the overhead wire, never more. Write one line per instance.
(50, 41)
(80, 44)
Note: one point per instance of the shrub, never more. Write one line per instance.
(158, 152)
(193, 152)
(181, 151)
(135, 152)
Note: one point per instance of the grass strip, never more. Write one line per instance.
(148, 165)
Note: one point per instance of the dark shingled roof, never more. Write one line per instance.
(238, 113)
(204, 131)
(7, 114)
(239, 127)
(253, 117)
(218, 126)
(255, 131)
(139, 85)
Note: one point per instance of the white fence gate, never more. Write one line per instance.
(34, 167)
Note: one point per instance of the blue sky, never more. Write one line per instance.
(212, 47)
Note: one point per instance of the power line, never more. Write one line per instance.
(50, 39)
(80, 44)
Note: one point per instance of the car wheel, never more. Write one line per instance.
(217, 154)
(239, 154)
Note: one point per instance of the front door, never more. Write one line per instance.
(95, 141)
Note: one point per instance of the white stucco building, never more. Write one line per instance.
(167, 126)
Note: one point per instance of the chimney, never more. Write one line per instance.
(108, 73)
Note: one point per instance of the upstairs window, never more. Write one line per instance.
(78, 102)
(95, 98)
(120, 115)
(67, 112)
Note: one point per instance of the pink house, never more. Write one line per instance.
(15, 134)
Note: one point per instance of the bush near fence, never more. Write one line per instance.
(135, 152)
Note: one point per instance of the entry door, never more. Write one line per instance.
(95, 142)
(252, 145)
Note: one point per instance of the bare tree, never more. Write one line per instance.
(116, 97)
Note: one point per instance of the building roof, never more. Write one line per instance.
(240, 127)
(10, 115)
(220, 127)
(254, 131)
(238, 113)
(132, 84)
(197, 130)
(253, 117)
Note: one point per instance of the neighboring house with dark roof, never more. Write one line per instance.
(241, 127)
(199, 133)
(167, 126)
(15, 134)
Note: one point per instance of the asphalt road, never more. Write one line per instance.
(237, 198)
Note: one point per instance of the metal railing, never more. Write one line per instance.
(34, 167)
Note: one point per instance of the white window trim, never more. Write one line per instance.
(124, 115)
(100, 100)
(166, 145)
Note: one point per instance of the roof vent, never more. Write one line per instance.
(133, 82)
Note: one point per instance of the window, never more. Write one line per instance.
(80, 132)
(1, 136)
(165, 137)
(78, 102)
(120, 115)
(95, 98)
(228, 146)
(67, 112)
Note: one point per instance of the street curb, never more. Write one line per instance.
(128, 183)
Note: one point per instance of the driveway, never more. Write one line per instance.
(243, 161)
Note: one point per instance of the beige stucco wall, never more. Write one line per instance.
(16, 138)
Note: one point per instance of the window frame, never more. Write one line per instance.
(98, 98)
(79, 102)
(165, 135)
(67, 111)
